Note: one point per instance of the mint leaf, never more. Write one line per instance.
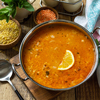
(7, 18)
(28, 6)
(10, 9)
(13, 12)
(7, 1)
(4, 16)
(5, 13)
(5, 10)
(20, 6)
(20, 3)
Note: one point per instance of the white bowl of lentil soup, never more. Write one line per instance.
(44, 51)
(10, 33)
(44, 14)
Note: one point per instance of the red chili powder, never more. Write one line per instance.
(45, 15)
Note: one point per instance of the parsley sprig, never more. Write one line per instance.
(10, 9)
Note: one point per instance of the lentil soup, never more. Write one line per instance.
(45, 50)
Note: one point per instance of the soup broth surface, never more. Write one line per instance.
(45, 50)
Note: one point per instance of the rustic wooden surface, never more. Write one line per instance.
(87, 91)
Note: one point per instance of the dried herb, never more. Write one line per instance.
(47, 73)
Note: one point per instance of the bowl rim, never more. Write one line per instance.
(63, 1)
(53, 21)
(3, 46)
(43, 8)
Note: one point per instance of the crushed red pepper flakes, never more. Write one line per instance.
(45, 15)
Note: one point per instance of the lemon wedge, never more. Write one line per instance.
(67, 62)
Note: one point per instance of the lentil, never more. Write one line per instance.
(45, 15)
(8, 31)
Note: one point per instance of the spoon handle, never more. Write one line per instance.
(20, 97)
(18, 94)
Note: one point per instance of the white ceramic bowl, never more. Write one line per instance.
(51, 3)
(71, 6)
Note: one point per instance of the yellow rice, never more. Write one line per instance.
(8, 31)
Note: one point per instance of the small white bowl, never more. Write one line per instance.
(51, 3)
(71, 6)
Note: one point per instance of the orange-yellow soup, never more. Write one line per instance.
(45, 51)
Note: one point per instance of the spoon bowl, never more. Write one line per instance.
(5, 70)
(6, 73)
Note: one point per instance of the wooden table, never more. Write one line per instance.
(87, 91)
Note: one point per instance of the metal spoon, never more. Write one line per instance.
(6, 73)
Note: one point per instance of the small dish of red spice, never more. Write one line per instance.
(44, 14)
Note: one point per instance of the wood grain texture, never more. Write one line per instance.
(89, 90)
